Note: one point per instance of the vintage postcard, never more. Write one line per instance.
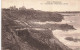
(40, 24)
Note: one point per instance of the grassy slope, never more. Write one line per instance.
(33, 15)
(28, 39)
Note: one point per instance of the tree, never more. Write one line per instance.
(13, 8)
(22, 8)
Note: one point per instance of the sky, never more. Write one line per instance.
(45, 5)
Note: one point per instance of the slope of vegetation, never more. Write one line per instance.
(15, 37)
(33, 15)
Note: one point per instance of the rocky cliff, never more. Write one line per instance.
(16, 35)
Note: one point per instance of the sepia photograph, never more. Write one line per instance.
(40, 24)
